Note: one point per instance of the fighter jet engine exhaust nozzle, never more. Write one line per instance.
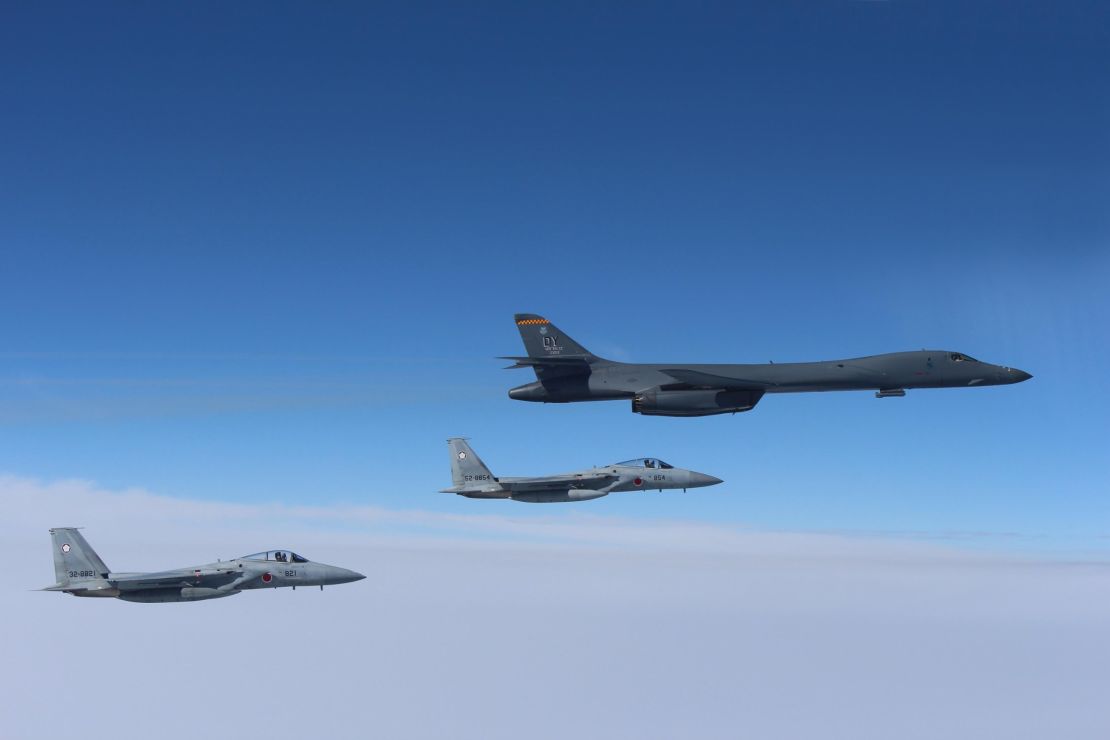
(657, 402)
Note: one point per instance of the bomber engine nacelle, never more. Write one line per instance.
(657, 402)
(559, 497)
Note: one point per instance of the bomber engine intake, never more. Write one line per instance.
(656, 402)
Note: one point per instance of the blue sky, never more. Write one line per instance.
(267, 253)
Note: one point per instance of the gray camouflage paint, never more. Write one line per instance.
(471, 478)
(567, 372)
(80, 571)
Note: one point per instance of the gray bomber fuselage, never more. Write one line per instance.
(567, 372)
(605, 380)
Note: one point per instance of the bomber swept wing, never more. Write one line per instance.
(709, 380)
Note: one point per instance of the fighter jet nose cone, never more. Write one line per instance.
(1019, 376)
(701, 479)
(342, 575)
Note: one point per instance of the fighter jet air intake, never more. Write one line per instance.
(566, 371)
(473, 479)
(81, 572)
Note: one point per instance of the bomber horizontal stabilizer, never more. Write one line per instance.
(709, 380)
(560, 361)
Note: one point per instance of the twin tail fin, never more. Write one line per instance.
(77, 567)
(468, 472)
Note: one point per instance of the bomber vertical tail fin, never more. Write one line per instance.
(544, 340)
(75, 562)
(468, 472)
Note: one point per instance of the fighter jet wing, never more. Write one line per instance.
(696, 377)
(561, 482)
(207, 577)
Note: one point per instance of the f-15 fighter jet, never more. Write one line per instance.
(474, 480)
(566, 371)
(81, 572)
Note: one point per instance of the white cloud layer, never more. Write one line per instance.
(490, 626)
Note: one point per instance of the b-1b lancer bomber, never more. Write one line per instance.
(566, 372)
(81, 572)
(473, 479)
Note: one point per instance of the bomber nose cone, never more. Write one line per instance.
(701, 479)
(1019, 375)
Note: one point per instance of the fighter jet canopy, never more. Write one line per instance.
(645, 462)
(276, 556)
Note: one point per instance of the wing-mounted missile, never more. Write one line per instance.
(890, 393)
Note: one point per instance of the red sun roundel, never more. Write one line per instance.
(638, 482)
(266, 578)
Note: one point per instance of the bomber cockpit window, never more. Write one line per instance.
(957, 357)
